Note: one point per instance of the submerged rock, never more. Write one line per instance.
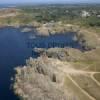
(26, 30)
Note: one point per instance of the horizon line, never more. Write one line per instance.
(32, 3)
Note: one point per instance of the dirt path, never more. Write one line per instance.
(69, 70)
(97, 82)
(84, 92)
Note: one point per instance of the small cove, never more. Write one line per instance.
(17, 46)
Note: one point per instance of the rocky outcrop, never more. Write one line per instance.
(55, 28)
(59, 72)
(87, 40)
(54, 78)
(41, 79)
(25, 30)
(69, 54)
(63, 54)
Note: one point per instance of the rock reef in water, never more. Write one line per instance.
(24, 30)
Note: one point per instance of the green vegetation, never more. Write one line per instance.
(65, 14)
(82, 15)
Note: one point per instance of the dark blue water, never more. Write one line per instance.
(60, 40)
(16, 47)
(13, 52)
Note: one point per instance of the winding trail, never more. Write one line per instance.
(83, 91)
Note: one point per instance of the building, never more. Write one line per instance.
(85, 14)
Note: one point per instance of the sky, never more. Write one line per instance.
(48, 1)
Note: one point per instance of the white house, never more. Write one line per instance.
(85, 14)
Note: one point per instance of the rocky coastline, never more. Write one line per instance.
(48, 77)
